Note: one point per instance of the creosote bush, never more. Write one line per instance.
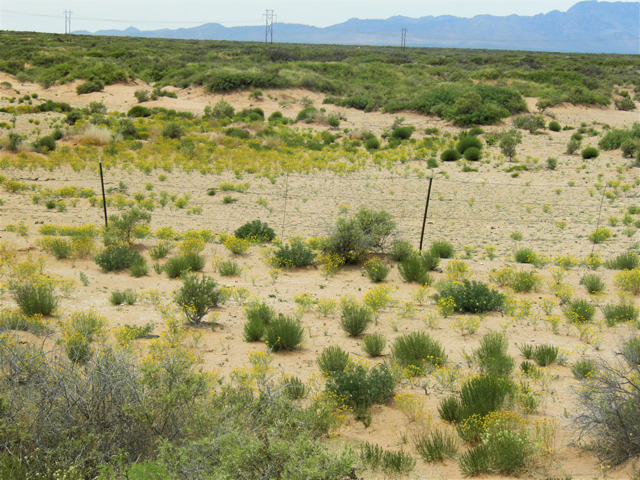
(472, 296)
(197, 296)
(284, 333)
(418, 351)
(295, 254)
(579, 311)
(332, 359)
(374, 344)
(116, 258)
(355, 318)
(256, 231)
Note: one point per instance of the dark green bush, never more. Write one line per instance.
(403, 133)
(472, 154)
(89, 87)
(176, 266)
(332, 359)
(139, 268)
(116, 258)
(34, 297)
(293, 255)
(442, 249)
(468, 142)
(529, 122)
(401, 250)
(253, 330)
(552, 163)
(583, 369)
(450, 155)
(554, 126)
(172, 130)
(355, 318)
(590, 152)
(473, 297)
(139, 111)
(372, 144)
(450, 409)
(417, 350)
(545, 354)
(484, 394)
(492, 356)
(46, 144)
(593, 283)
(414, 268)
(373, 345)
(284, 333)
(236, 132)
(432, 163)
(256, 231)
(624, 261)
(361, 388)
(622, 312)
(579, 311)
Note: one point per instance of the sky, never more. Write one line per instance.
(92, 15)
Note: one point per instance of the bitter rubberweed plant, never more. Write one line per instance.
(376, 270)
(584, 369)
(579, 311)
(545, 354)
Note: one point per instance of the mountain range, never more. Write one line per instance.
(587, 27)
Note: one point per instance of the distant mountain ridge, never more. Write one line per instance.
(587, 27)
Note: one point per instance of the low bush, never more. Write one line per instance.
(624, 261)
(284, 333)
(545, 354)
(160, 250)
(401, 250)
(622, 312)
(355, 318)
(533, 123)
(139, 268)
(593, 283)
(403, 133)
(590, 152)
(372, 144)
(46, 144)
(600, 235)
(492, 355)
(472, 296)
(373, 345)
(525, 255)
(450, 155)
(177, 266)
(34, 297)
(197, 297)
(472, 154)
(293, 255)
(442, 249)
(56, 246)
(172, 130)
(525, 281)
(117, 257)
(361, 387)
(332, 359)
(416, 268)
(468, 142)
(450, 409)
(579, 311)
(552, 163)
(418, 351)
(484, 394)
(554, 126)
(631, 350)
(628, 281)
(436, 445)
(228, 268)
(376, 270)
(583, 369)
(391, 463)
(89, 87)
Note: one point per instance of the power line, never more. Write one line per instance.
(403, 43)
(269, 16)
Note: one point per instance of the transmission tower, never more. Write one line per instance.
(67, 21)
(268, 35)
(403, 43)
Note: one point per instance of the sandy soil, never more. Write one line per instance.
(313, 202)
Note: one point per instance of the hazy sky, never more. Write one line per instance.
(48, 16)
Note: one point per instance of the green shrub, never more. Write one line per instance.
(527, 368)
(253, 330)
(593, 283)
(139, 112)
(361, 387)
(468, 142)
(554, 126)
(432, 163)
(533, 123)
(450, 155)
(624, 261)
(391, 463)
(376, 270)
(172, 130)
(492, 356)
(552, 163)
(139, 268)
(293, 255)
(117, 257)
(579, 311)
(625, 104)
(475, 131)
(34, 297)
(294, 388)
(355, 318)
(525, 281)
(583, 369)
(284, 333)
(46, 144)
(236, 132)
(260, 311)
(436, 445)
(401, 250)
(403, 133)
(417, 350)
(117, 297)
(590, 152)
(525, 255)
(373, 345)
(475, 461)
(415, 269)
(197, 296)
(450, 409)
(89, 87)
(228, 268)
(372, 144)
(123, 228)
(600, 235)
(377, 226)
(622, 312)
(631, 350)
(177, 266)
(573, 146)
(545, 354)
(160, 250)
(220, 110)
(332, 359)
(526, 349)
(484, 394)
(442, 249)
(58, 247)
(473, 297)
(255, 231)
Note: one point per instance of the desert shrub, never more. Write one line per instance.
(545, 354)
(631, 350)
(432, 163)
(220, 110)
(123, 228)
(554, 126)
(509, 142)
(415, 269)
(117, 297)
(492, 356)
(525, 281)
(625, 104)
(472, 296)
(468, 142)
(628, 281)
(573, 146)
(256, 231)
(228, 268)
(391, 463)
(197, 296)
(600, 235)
(58, 247)
(195, 262)
(176, 266)
(449, 409)
(579, 311)
(139, 268)
(376, 270)
(450, 155)
(284, 333)
(141, 95)
(436, 445)
(583, 369)
(525, 255)
(260, 311)
(34, 297)
(417, 350)
(377, 226)
(552, 163)
(172, 130)
(89, 87)
(361, 387)
(624, 261)
(253, 330)
(46, 144)
(403, 133)
(622, 312)
(332, 359)
(160, 250)
(593, 283)
(373, 345)
(442, 249)
(529, 122)
(295, 254)
(484, 394)
(236, 132)
(355, 318)
(610, 408)
(475, 461)
(472, 154)
(590, 152)
(372, 144)
(400, 250)
(116, 257)
(139, 112)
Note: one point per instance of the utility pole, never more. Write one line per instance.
(403, 43)
(268, 35)
(67, 21)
